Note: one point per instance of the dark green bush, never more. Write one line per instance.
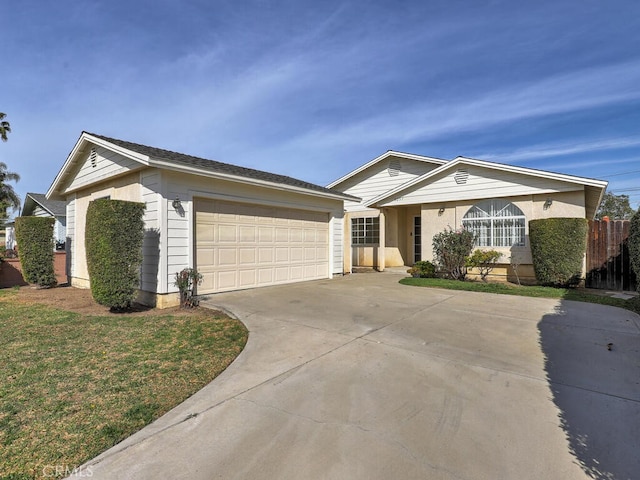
(451, 249)
(634, 246)
(113, 242)
(423, 269)
(557, 247)
(35, 249)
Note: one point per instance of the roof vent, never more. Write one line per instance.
(461, 176)
(394, 167)
(93, 157)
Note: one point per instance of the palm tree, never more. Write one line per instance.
(8, 196)
(4, 127)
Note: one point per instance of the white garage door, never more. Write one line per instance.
(242, 245)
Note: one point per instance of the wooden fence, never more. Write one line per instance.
(608, 264)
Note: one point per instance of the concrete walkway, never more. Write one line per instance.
(362, 378)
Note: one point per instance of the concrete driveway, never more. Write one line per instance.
(362, 378)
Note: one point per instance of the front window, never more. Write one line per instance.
(365, 231)
(496, 223)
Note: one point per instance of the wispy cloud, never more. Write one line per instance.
(564, 149)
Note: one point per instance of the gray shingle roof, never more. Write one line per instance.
(57, 207)
(215, 166)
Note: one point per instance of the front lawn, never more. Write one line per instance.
(525, 291)
(73, 385)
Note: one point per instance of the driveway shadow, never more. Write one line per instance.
(592, 364)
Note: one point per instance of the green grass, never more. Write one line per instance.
(72, 386)
(524, 291)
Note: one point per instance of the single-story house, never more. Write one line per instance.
(244, 228)
(38, 205)
(406, 199)
(239, 227)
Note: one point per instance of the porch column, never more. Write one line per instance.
(382, 246)
(347, 249)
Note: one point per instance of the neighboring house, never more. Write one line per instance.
(239, 227)
(10, 235)
(38, 205)
(406, 199)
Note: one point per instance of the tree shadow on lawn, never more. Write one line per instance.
(592, 362)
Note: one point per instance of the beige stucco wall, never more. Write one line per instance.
(564, 204)
(399, 230)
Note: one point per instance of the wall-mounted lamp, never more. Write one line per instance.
(176, 204)
(441, 211)
(547, 204)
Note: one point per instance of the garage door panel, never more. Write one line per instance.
(242, 245)
(247, 256)
(265, 276)
(226, 280)
(247, 278)
(297, 272)
(226, 257)
(227, 233)
(206, 256)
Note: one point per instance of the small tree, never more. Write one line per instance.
(35, 249)
(634, 245)
(186, 281)
(113, 240)
(451, 249)
(484, 261)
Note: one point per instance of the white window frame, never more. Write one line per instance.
(496, 223)
(365, 231)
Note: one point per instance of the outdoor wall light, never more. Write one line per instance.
(441, 211)
(547, 204)
(176, 204)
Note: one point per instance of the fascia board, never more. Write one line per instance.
(386, 154)
(249, 181)
(535, 172)
(494, 166)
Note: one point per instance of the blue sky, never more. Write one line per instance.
(315, 89)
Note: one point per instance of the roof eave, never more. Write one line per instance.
(249, 181)
(591, 182)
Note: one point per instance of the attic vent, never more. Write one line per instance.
(461, 177)
(93, 157)
(394, 167)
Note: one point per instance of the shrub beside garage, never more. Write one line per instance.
(113, 241)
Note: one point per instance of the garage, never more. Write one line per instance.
(242, 245)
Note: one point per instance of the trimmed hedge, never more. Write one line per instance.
(113, 241)
(35, 249)
(558, 246)
(634, 245)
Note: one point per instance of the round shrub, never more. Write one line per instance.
(35, 249)
(423, 269)
(558, 246)
(113, 241)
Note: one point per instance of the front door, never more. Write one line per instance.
(417, 239)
